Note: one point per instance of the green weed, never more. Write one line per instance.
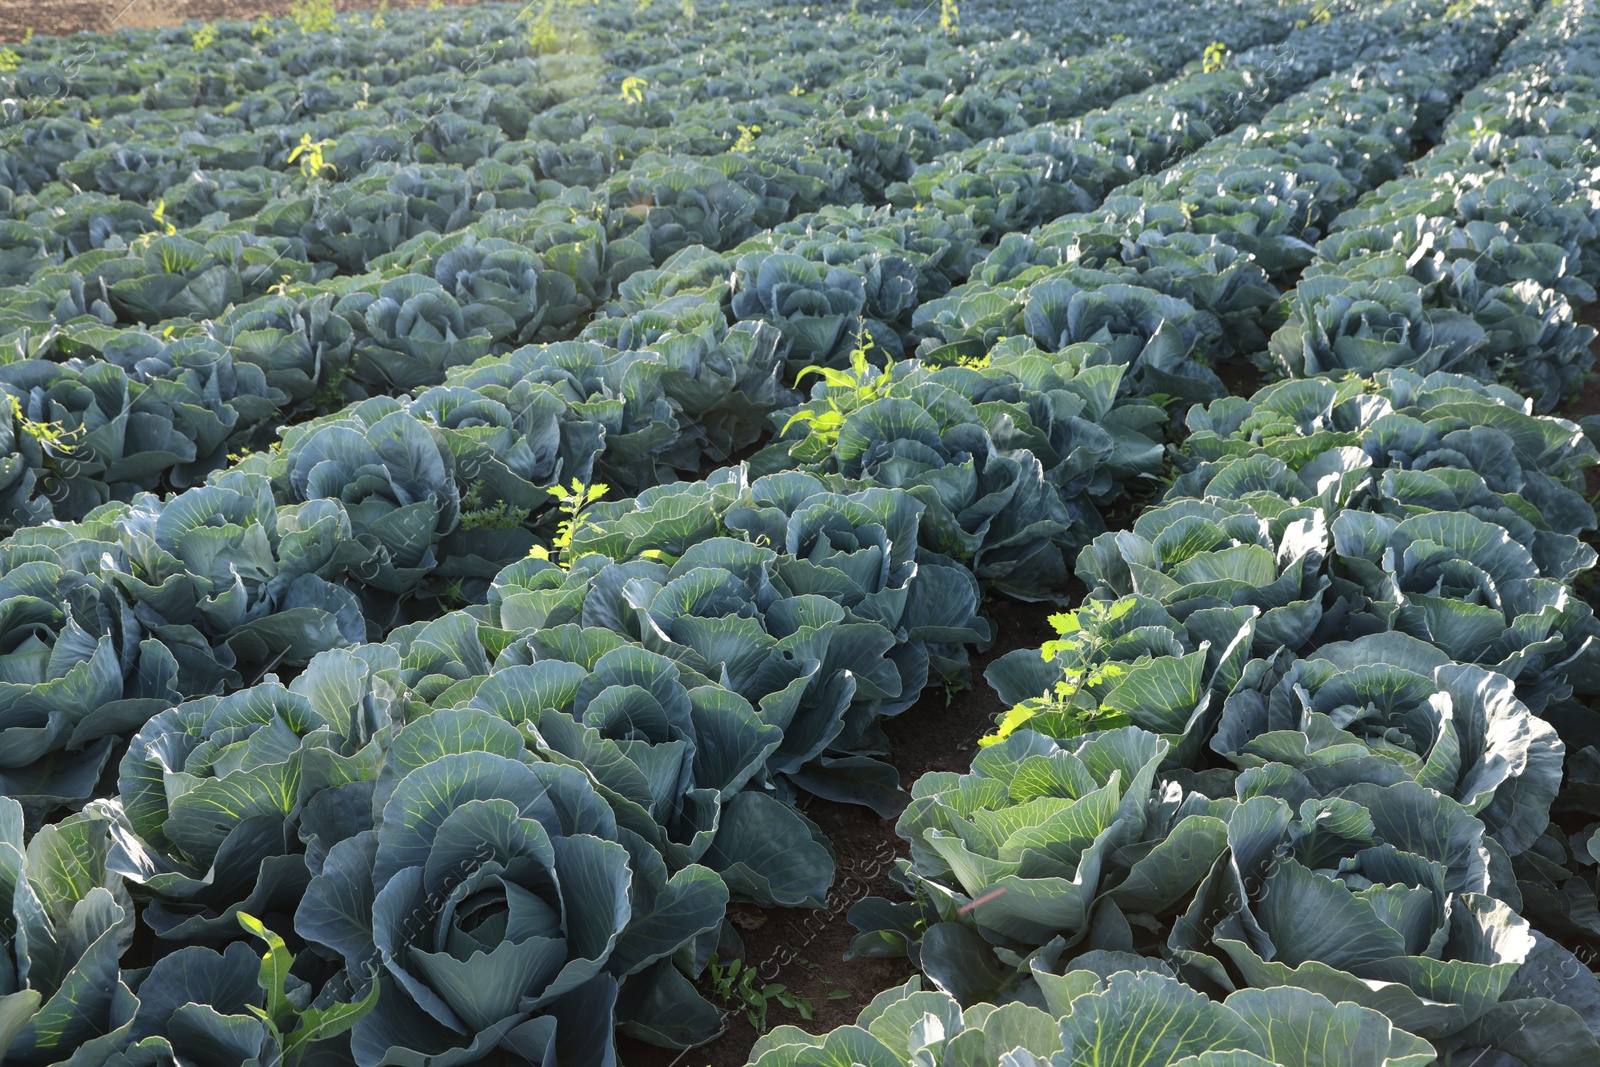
(571, 502)
(309, 154)
(297, 1028)
(313, 16)
(1065, 711)
(633, 89)
(52, 436)
(863, 383)
(734, 985)
(747, 139)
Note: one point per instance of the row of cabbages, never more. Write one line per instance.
(460, 91)
(855, 113)
(1044, 172)
(1307, 768)
(525, 259)
(359, 515)
(1475, 261)
(1332, 604)
(584, 848)
(358, 522)
(551, 892)
(361, 522)
(386, 92)
(433, 494)
(1201, 253)
(1316, 730)
(525, 814)
(396, 501)
(1116, 341)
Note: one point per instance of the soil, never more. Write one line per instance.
(1240, 376)
(804, 949)
(1587, 402)
(62, 17)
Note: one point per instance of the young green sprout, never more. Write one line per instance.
(1069, 709)
(571, 502)
(298, 1028)
(309, 154)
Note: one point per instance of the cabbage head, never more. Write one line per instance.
(504, 912)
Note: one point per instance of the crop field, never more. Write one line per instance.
(661, 534)
(20, 18)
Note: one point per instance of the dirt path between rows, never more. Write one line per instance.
(62, 17)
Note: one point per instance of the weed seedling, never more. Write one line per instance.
(734, 984)
(298, 1029)
(542, 32)
(1070, 708)
(159, 215)
(571, 502)
(835, 991)
(747, 139)
(309, 154)
(476, 515)
(859, 386)
(313, 16)
(52, 436)
(633, 89)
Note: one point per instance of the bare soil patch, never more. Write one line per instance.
(1588, 401)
